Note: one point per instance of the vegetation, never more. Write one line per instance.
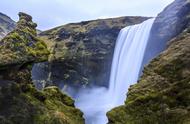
(22, 44)
(21, 104)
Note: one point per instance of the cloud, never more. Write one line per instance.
(51, 13)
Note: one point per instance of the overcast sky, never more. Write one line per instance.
(51, 13)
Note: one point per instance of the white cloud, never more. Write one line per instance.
(51, 13)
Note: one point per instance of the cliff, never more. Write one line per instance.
(20, 102)
(82, 52)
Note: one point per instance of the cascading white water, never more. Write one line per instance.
(127, 60)
(126, 66)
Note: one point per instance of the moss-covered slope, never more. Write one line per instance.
(162, 96)
(23, 104)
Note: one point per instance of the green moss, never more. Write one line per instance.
(24, 104)
(15, 36)
(22, 45)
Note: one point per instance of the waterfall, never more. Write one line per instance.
(126, 67)
(128, 58)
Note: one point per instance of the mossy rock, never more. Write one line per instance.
(21, 104)
(22, 44)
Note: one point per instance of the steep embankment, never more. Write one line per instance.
(20, 102)
(6, 25)
(162, 95)
(83, 51)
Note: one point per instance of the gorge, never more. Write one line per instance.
(125, 70)
(98, 96)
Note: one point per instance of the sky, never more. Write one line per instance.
(51, 13)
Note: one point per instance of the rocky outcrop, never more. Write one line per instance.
(6, 25)
(168, 24)
(20, 102)
(22, 45)
(162, 95)
(83, 51)
(20, 48)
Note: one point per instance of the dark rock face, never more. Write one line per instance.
(6, 25)
(83, 51)
(168, 24)
(20, 102)
(162, 96)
